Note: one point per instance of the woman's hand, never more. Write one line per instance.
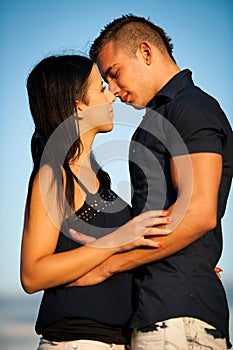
(133, 234)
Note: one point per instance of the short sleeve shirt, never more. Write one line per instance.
(179, 120)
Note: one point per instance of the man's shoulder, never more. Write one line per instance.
(194, 103)
(192, 96)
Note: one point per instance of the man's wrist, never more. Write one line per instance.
(108, 268)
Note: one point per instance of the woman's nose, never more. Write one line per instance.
(111, 97)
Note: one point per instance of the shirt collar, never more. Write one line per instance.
(171, 89)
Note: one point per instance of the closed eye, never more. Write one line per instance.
(103, 87)
(114, 75)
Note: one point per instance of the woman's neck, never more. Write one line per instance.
(81, 165)
(84, 158)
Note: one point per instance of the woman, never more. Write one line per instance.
(68, 190)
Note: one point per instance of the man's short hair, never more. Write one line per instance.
(127, 32)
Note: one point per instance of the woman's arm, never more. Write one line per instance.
(40, 267)
(193, 214)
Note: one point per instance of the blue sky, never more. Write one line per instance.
(29, 30)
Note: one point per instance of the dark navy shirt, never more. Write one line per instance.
(180, 119)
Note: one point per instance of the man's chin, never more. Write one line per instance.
(135, 106)
(132, 104)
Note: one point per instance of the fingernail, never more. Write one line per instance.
(169, 219)
(164, 212)
(159, 244)
(218, 269)
(168, 230)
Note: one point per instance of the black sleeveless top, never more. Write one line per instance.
(98, 312)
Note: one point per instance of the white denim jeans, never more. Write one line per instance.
(183, 333)
(79, 345)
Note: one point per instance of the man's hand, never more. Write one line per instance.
(95, 276)
(218, 271)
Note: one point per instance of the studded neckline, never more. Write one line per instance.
(94, 204)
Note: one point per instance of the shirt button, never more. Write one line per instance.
(74, 346)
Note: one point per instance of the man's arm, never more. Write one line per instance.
(196, 178)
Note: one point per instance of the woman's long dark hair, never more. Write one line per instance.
(54, 86)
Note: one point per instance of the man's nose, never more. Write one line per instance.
(113, 87)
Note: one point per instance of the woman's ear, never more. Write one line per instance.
(79, 110)
(80, 106)
(145, 51)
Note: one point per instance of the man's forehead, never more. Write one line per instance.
(107, 53)
(107, 58)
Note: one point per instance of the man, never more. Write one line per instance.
(179, 303)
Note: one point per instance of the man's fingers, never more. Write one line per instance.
(81, 237)
(218, 271)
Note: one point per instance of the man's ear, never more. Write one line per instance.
(145, 51)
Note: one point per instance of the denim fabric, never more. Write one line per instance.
(183, 333)
(79, 345)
